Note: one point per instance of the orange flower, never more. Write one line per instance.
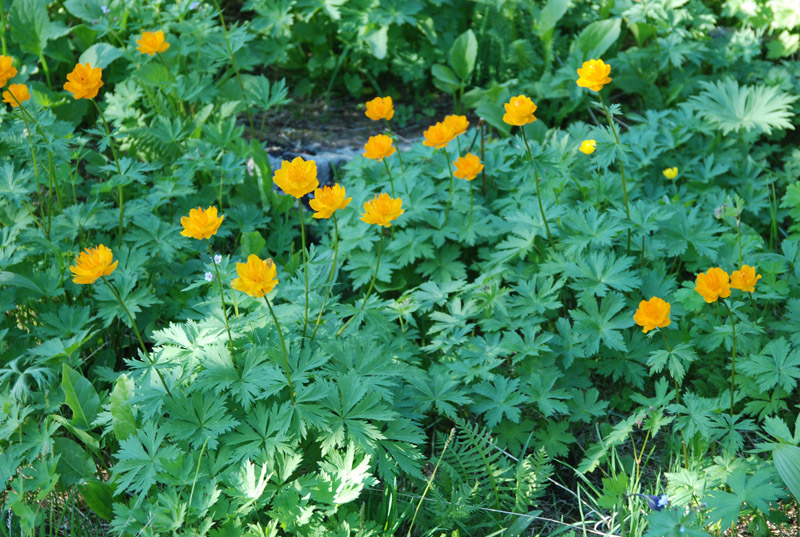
(382, 210)
(298, 177)
(653, 313)
(84, 81)
(468, 167)
(594, 75)
(587, 147)
(328, 199)
(713, 284)
(378, 147)
(152, 42)
(18, 91)
(457, 124)
(7, 71)
(201, 224)
(438, 136)
(380, 108)
(91, 264)
(519, 111)
(745, 279)
(257, 277)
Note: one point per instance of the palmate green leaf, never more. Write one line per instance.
(109, 308)
(342, 478)
(678, 360)
(598, 272)
(585, 405)
(443, 394)
(501, 398)
(444, 265)
(540, 389)
(729, 107)
(694, 414)
(361, 266)
(264, 433)
(555, 438)
(412, 244)
(603, 322)
(689, 228)
(674, 522)
(198, 418)
(431, 294)
(589, 229)
(141, 458)
(777, 365)
(535, 295)
(758, 491)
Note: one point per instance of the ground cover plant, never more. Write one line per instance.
(571, 307)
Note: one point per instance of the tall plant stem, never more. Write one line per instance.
(50, 167)
(3, 28)
(121, 200)
(222, 298)
(449, 169)
(536, 180)
(178, 100)
(677, 400)
(36, 173)
(236, 70)
(138, 335)
(621, 167)
(471, 203)
(371, 284)
(739, 239)
(733, 351)
(394, 137)
(330, 278)
(430, 480)
(283, 348)
(389, 173)
(305, 265)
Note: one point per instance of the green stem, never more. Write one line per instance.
(178, 100)
(305, 264)
(449, 169)
(371, 284)
(35, 170)
(430, 480)
(236, 69)
(3, 27)
(46, 69)
(733, 351)
(222, 297)
(397, 141)
(389, 173)
(621, 167)
(471, 203)
(330, 278)
(739, 239)
(283, 348)
(538, 194)
(121, 200)
(138, 335)
(51, 168)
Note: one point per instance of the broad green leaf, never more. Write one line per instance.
(99, 497)
(378, 42)
(444, 78)
(598, 37)
(252, 243)
(122, 419)
(80, 397)
(100, 55)
(551, 14)
(30, 25)
(74, 463)
(88, 10)
(463, 54)
(787, 463)
(10, 278)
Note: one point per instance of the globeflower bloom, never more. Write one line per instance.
(16, 94)
(468, 167)
(519, 111)
(84, 81)
(201, 224)
(257, 277)
(713, 284)
(587, 147)
(380, 108)
(7, 71)
(152, 42)
(438, 135)
(328, 199)
(671, 173)
(457, 124)
(382, 210)
(379, 147)
(93, 263)
(298, 177)
(745, 279)
(594, 75)
(653, 313)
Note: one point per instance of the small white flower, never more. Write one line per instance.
(105, 10)
(217, 259)
(209, 277)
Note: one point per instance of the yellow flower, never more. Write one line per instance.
(201, 224)
(468, 167)
(438, 135)
(382, 210)
(84, 81)
(91, 264)
(7, 71)
(20, 91)
(587, 147)
(257, 277)
(457, 124)
(519, 111)
(380, 108)
(653, 313)
(298, 177)
(328, 199)
(745, 279)
(378, 147)
(152, 42)
(594, 75)
(671, 173)
(713, 284)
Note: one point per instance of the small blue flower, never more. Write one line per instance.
(105, 10)
(656, 503)
(194, 5)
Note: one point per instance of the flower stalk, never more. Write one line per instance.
(305, 266)
(222, 298)
(283, 348)
(538, 194)
(621, 167)
(733, 352)
(332, 274)
(120, 200)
